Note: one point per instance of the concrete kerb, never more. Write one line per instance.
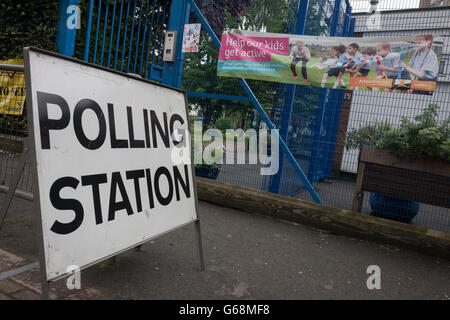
(341, 221)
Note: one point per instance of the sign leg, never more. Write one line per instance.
(12, 187)
(201, 256)
(45, 289)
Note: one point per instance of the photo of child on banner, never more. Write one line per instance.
(408, 65)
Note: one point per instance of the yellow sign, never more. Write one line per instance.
(12, 89)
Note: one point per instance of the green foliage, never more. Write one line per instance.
(317, 20)
(27, 23)
(14, 125)
(368, 135)
(267, 15)
(425, 136)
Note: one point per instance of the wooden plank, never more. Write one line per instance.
(385, 158)
(342, 132)
(405, 184)
(358, 196)
(338, 220)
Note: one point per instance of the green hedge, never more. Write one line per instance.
(25, 23)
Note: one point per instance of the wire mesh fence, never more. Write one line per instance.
(318, 132)
(320, 122)
(201, 82)
(13, 125)
(403, 190)
(385, 5)
(125, 35)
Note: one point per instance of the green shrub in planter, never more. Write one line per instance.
(423, 137)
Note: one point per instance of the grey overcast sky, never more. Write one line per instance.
(364, 5)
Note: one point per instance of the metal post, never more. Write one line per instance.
(347, 17)
(179, 16)
(334, 107)
(302, 12)
(88, 31)
(315, 153)
(352, 27)
(335, 104)
(260, 109)
(335, 18)
(65, 37)
(12, 187)
(201, 257)
(328, 98)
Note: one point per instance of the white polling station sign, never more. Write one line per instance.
(103, 144)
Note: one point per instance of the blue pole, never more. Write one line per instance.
(330, 105)
(352, 27)
(65, 37)
(347, 17)
(118, 34)
(260, 109)
(138, 37)
(315, 153)
(113, 19)
(88, 31)
(349, 31)
(96, 32)
(179, 16)
(302, 12)
(335, 19)
(326, 100)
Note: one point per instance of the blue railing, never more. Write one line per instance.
(313, 142)
(127, 35)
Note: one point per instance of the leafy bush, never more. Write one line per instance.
(14, 125)
(25, 23)
(425, 136)
(368, 135)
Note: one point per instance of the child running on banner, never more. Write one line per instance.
(339, 53)
(387, 63)
(354, 59)
(325, 62)
(363, 68)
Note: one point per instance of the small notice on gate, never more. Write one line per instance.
(104, 159)
(191, 37)
(12, 89)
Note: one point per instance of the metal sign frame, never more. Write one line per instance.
(30, 154)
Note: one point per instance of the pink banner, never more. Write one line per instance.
(257, 49)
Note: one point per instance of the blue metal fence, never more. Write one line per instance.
(310, 121)
(128, 35)
(125, 35)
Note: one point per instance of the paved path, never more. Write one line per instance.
(248, 257)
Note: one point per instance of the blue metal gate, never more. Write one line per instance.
(128, 35)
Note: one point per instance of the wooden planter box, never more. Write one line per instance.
(423, 180)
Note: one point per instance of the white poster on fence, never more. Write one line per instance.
(104, 144)
(191, 37)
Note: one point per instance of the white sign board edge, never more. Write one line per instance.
(59, 253)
